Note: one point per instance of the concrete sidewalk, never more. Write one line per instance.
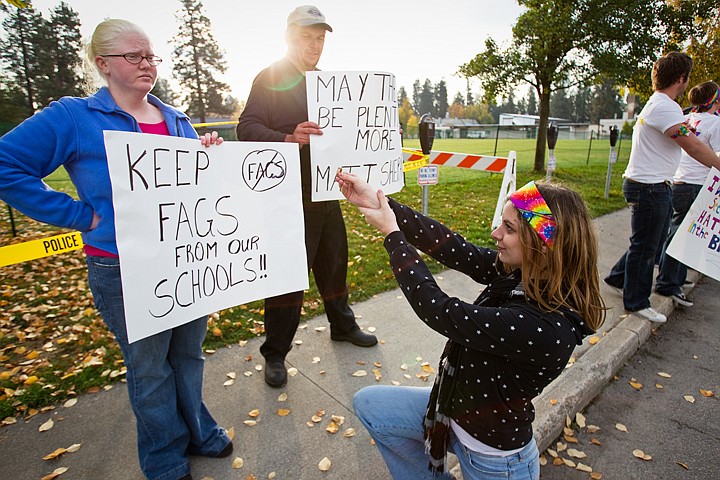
(324, 376)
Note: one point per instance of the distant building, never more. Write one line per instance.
(461, 128)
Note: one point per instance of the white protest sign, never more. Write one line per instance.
(358, 113)
(201, 229)
(697, 241)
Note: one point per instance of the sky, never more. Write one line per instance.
(413, 39)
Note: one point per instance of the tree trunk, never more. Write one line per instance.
(539, 166)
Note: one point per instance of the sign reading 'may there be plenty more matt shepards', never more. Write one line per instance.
(358, 114)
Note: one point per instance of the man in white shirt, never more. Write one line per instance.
(659, 136)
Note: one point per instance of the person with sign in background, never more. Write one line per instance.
(660, 134)
(276, 111)
(542, 298)
(687, 182)
(165, 370)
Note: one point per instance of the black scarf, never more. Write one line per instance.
(437, 416)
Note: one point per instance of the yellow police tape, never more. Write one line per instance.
(415, 164)
(44, 247)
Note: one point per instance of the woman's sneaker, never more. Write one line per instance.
(651, 314)
(682, 299)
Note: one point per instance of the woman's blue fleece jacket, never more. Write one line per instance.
(69, 133)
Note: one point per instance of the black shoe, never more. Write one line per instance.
(275, 373)
(225, 452)
(356, 337)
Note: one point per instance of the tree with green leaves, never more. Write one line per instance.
(198, 62)
(558, 44)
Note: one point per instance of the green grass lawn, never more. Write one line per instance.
(47, 314)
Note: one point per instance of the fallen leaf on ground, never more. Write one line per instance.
(684, 465)
(641, 455)
(325, 464)
(332, 427)
(596, 476)
(635, 385)
(553, 401)
(371, 329)
(237, 463)
(320, 329)
(580, 420)
(569, 463)
(689, 398)
(254, 413)
(621, 427)
(576, 453)
(707, 393)
(292, 371)
(250, 423)
(56, 473)
(283, 412)
(592, 428)
(583, 468)
(558, 461)
(350, 432)
(359, 373)
(55, 454)
(594, 340)
(229, 382)
(664, 375)
(595, 441)
(552, 453)
(316, 360)
(282, 397)
(46, 426)
(70, 403)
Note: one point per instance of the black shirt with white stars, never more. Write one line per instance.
(510, 348)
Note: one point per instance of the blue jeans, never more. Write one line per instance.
(672, 273)
(394, 417)
(164, 379)
(650, 206)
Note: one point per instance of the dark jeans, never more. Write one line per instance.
(327, 257)
(650, 206)
(672, 273)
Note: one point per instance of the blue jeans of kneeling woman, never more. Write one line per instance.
(394, 417)
(164, 379)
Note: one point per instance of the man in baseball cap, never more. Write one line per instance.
(276, 111)
(306, 15)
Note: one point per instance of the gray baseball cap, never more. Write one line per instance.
(306, 15)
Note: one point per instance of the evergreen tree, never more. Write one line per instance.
(20, 52)
(416, 95)
(60, 64)
(606, 102)
(164, 91)
(440, 102)
(581, 105)
(427, 99)
(402, 95)
(459, 99)
(469, 100)
(532, 102)
(198, 62)
(13, 107)
(561, 105)
(508, 105)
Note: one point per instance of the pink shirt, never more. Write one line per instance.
(159, 128)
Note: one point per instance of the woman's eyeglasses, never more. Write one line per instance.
(136, 58)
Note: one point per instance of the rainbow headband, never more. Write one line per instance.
(535, 210)
(707, 104)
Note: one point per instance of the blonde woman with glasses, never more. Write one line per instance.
(164, 371)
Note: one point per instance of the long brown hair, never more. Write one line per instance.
(565, 275)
